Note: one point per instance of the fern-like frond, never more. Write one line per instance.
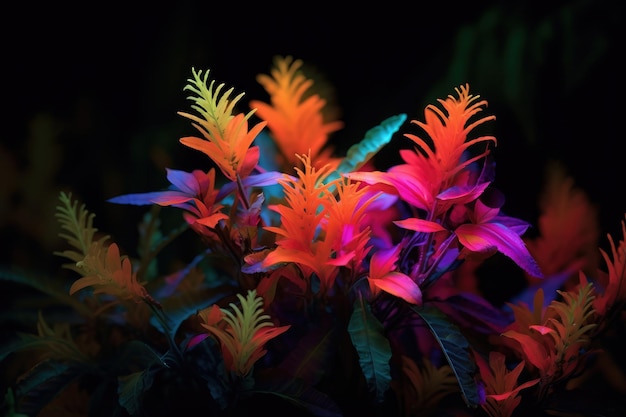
(227, 140)
(108, 272)
(295, 117)
(214, 105)
(242, 332)
(571, 320)
(51, 342)
(77, 221)
(424, 386)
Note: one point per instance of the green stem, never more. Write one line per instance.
(160, 316)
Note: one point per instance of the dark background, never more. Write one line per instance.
(92, 92)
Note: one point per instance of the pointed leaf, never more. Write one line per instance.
(456, 349)
(131, 389)
(375, 138)
(534, 351)
(42, 383)
(372, 347)
(294, 391)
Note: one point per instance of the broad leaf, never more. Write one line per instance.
(372, 347)
(456, 349)
(179, 307)
(308, 360)
(131, 389)
(294, 391)
(43, 383)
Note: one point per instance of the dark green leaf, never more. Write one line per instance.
(47, 286)
(131, 388)
(456, 349)
(180, 306)
(309, 358)
(294, 391)
(372, 347)
(42, 383)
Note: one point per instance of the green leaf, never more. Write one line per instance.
(308, 360)
(179, 307)
(9, 405)
(372, 347)
(296, 392)
(131, 388)
(375, 138)
(456, 349)
(47, 286)
(78, 223)
(52, 346)
(42, 383)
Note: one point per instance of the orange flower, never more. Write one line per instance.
(298, 234)
(346, 230)
(448, 129)
(430, 177)
(295, 116)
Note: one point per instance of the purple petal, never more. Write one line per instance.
(140, 199)
(184, 181)
(480, 237)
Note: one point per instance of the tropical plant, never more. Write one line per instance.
(321, 285)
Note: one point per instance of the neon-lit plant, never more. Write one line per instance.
(321, 285)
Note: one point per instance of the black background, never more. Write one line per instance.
(109, 78)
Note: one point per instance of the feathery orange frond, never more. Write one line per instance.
(100, 265)
(308, 199)
(345, 227)
(448, 128)
(295, 116)
(108, 272)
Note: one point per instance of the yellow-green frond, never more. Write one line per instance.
(215, 106)
(77, 222)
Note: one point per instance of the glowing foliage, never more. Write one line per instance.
(226, 138)
(101, 267)
(614, 293)
(440, 176)
(294, 117)
(448, 128)
(501, 384)
(554, 342)
(242, 332)
(423, 386)
(383, 275)
(362, 266)
(298, 236)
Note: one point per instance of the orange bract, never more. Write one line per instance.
(448, 129)
(227, 139)
(294, 118)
